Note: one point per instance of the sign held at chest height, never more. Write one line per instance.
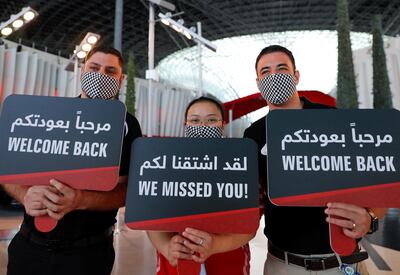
(73, 140)
(209, 184)
(320, 156)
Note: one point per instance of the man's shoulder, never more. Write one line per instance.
(132, 126)
(130, 119)
(307, 104)
(255, 128)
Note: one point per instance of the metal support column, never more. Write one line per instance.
(119, 11)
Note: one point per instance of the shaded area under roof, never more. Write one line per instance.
(62, 24)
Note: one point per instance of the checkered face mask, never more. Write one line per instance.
(98, 85)
(203, 131)
(277, 88)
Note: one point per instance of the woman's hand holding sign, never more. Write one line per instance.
(177, 250)
(205, 244)
(200, 242)
(171, 246)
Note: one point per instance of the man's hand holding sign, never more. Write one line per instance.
(55, 200)
(62, 146)
(339, 159)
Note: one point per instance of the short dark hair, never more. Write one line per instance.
(215, 101)
(108, 50)
(273, 49)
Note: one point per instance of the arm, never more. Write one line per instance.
(170, 245)
(207, 244)
(67, 199)
(354, 219)
(103, 201)
(16, 191)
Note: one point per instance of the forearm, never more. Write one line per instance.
(16, 191)
(228, 242)
(160, 241)
(103, 200)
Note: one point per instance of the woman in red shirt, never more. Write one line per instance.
(218, 253)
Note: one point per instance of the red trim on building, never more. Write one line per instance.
(245, 105)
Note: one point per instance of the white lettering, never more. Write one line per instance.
(186, 189)
(230, 190)
(38, 146)
(288, 163)
(316, 163)
(375, 164)
(148, 188)
(89, 149)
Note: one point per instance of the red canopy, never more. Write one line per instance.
(244, 105)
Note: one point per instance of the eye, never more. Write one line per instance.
(111, 72)
(212, 120)
(283, 68)
(263, 72)
(194, 121)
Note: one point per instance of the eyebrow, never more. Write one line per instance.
(195, 115)
(94, 63)
(279, 65)
(283, 65)
(99, 65)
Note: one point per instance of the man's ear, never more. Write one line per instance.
(82, 69)
(297, 76)
(257, 78)
(121, 80)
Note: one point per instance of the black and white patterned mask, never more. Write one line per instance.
(277, 88)
(98, 85)
(203, 131)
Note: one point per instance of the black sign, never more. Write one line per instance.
(76, 141)
(320, 156)
(210, 184)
